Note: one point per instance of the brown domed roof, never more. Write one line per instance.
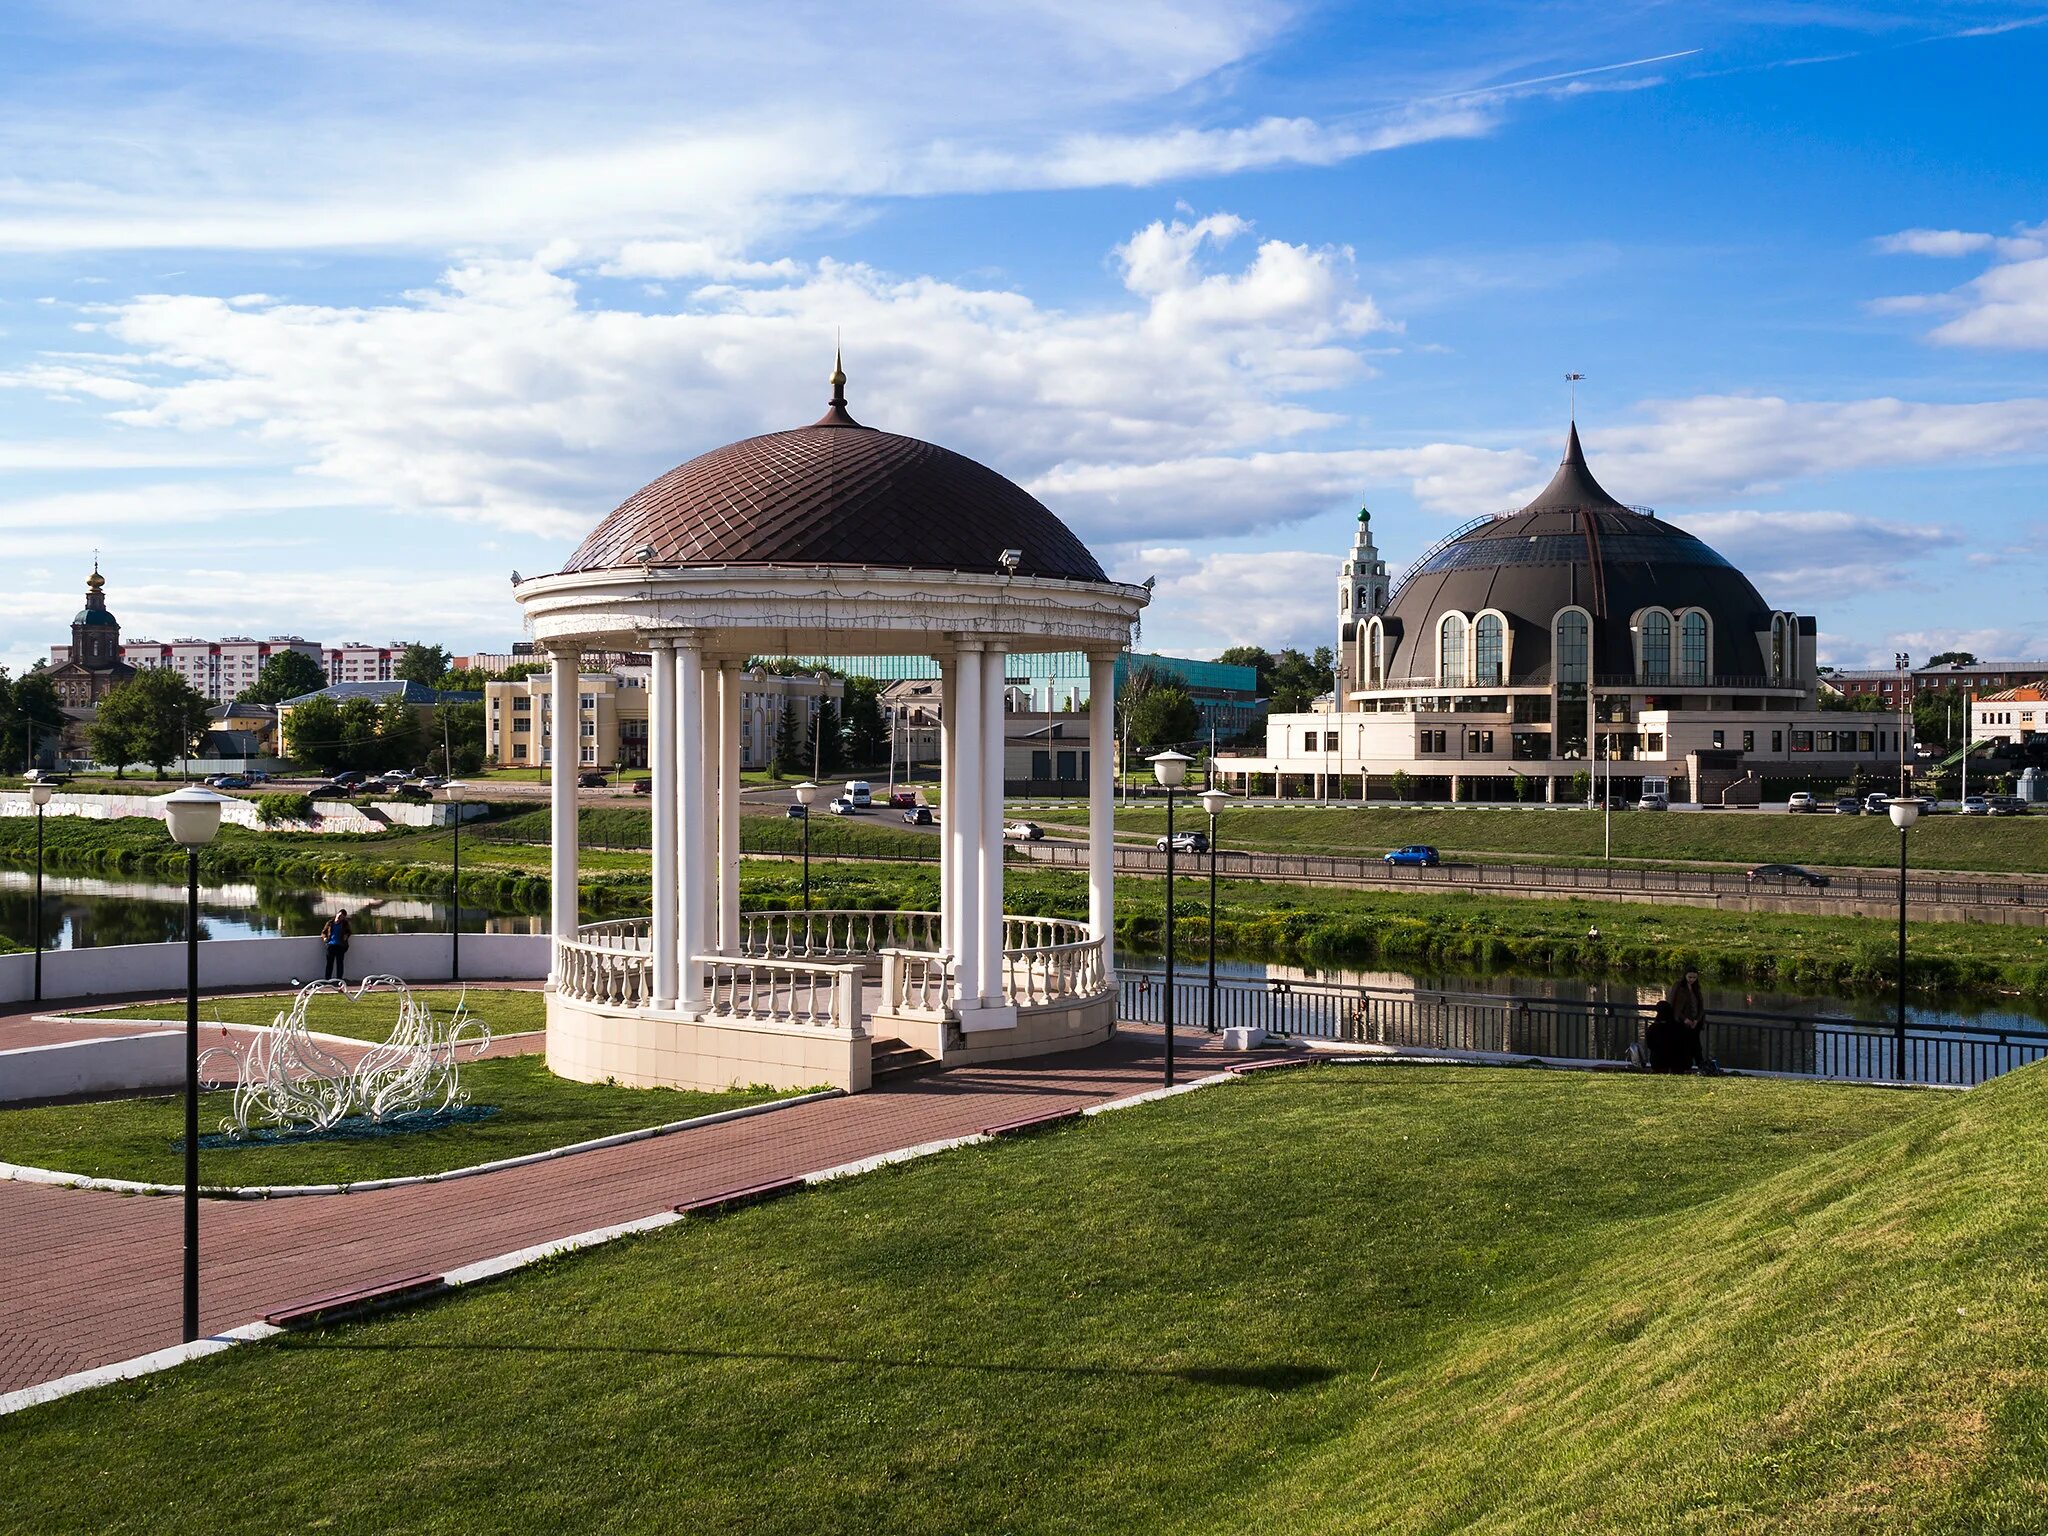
(836, 493)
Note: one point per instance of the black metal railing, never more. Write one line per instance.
(1807, 1046)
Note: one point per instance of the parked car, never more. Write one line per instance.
(258, 776)
(1877, 803)
(431, 781)
(1186, 842)
(918, 816)
(796, 812)
(231, 781)
(1023, 831)
(1785, 874)
(334, 790)
(2007, 805)
(1653, 803)
(1848, 805)
(1801, 801)
(1419, 854)
(843, 807)
(591, 781)
(643, 786)
(351, 776)
(902, 799)
(1976, 805)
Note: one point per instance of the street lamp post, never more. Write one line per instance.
(193, 816)
(455, 787)
(1170, 768)
(1905, 811)
(1213, 801)
(39, 793)
(806, 794)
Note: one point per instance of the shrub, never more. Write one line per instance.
(272, 809)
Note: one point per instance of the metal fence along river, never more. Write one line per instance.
(1809, 1046)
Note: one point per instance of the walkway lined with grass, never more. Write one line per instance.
(89, 1278)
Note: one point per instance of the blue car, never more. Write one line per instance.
(1416, 853)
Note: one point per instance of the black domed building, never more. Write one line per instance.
(1577, 630)
(92, 666)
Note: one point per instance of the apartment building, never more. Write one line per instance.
(2013, 715)
(219, 669)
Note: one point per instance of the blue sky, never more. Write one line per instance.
(327, 317)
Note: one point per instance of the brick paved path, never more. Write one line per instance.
(89, 1278)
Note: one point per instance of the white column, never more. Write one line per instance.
(563, 727)
(730, 679)
(1101, 795)
(989, 904)
(949, 873)
(661, 741)
(963, 822)
(707, 805)
(691, 926)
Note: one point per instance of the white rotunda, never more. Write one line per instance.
(831, 538)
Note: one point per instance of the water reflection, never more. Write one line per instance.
(81, 912)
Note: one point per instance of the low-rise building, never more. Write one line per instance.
(612, 716)
(2012, 715)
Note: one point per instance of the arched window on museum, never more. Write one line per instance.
(1653, 646)
(1695, 644)
(1571, 665)
(1574, 643)
(1489, 648)
(1778, 648)
(1450, 649)
(1375, 654)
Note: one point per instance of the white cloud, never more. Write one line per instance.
(504, 395)
(2006, 306)
(1205, 603)
(1803, 559)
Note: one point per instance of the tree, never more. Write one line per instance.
(1164, 716)
(399, 743)
(155, 717)
(312, 734)
(1582, 786)
(827, 750)
(1525, 788)
(422, 664)
(790, 756)
(286, 675)
(358, 734)
(31, 721)
(456, 743)
(1297, 681)
(1959, 658)
(867, 734)
(1401, 784)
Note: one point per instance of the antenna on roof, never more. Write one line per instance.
(1573, 379)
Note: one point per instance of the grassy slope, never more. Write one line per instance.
(2018, 845)
(140, 1138)
(1373, 1300)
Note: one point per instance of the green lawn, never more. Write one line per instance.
(141, 1138)
(1340, 1300)
(2015, 846)
(507, 1010)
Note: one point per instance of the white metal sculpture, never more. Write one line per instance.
(286, 1078)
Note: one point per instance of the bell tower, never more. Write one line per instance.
(95, 633)
(1361, 593)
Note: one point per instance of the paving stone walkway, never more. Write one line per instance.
(90, 1278)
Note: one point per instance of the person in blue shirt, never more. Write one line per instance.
(334, 934)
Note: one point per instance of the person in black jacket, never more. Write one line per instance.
(1689, 1007)
(334, 935)
(1669, 1042)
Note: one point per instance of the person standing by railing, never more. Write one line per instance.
(1689, 1008)
(334, 935)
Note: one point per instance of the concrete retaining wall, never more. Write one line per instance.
(160, 968)
(117, 1064)
(329, 815)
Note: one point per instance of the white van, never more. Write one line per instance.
(860, 792)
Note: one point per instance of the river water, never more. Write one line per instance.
(82, 911)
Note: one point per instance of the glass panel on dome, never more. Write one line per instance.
(1692, 647)
(1656, 647)
(1450, 649)
(1489, 641)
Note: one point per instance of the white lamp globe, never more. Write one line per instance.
(1170, 768)
(806, 792)
(193, 815)
(1213, 800)
(1905, 811)
(39, 793)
